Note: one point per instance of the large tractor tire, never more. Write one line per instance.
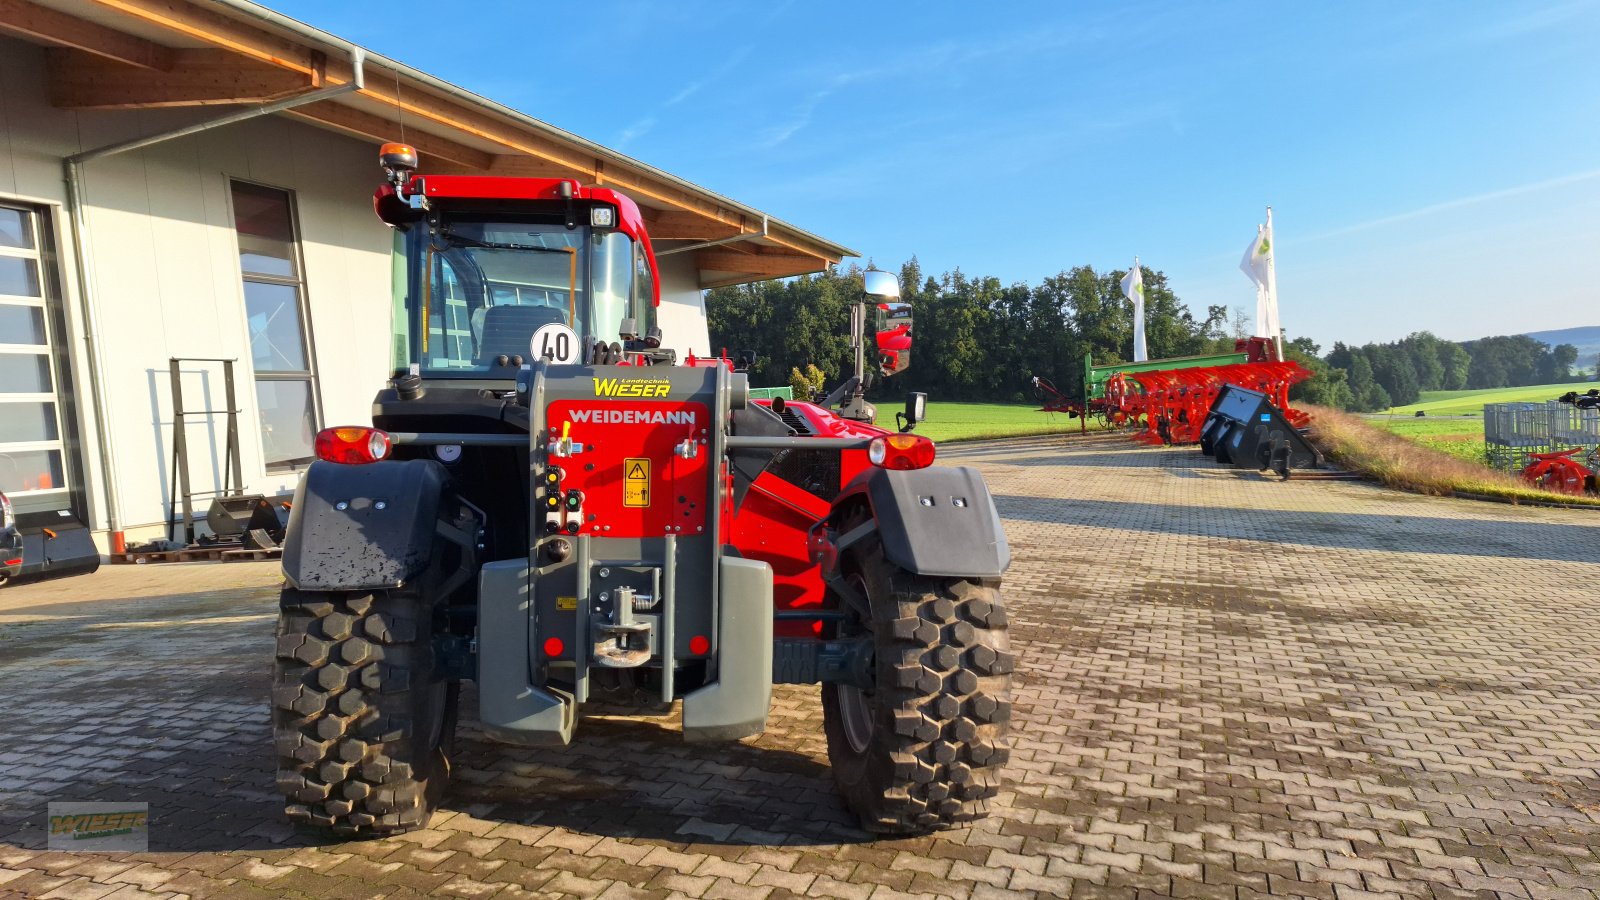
(360, 721)
(923, 750)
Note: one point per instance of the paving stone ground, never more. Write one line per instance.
(1228, 686)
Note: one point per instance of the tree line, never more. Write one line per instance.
(1378, 376)
(979, 339)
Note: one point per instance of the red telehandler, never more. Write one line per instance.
(550, 503)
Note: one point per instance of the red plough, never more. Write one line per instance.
(1174, 402)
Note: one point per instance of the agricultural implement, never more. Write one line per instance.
(47, 542)
(550, 504)
(1246, 430)
(1112, 392)
(1168, 400)
(1559, 472)
(1173, 404)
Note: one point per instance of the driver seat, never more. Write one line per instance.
(507, 330)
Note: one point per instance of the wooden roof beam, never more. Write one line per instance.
(199, 77)
(205, 25)
(682, 225)
(448, 112)
(32, 22)
(766, 265)
(361, 124)
(518, 165)
(218, 30)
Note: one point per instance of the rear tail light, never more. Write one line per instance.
(352, 445)
(901, 451)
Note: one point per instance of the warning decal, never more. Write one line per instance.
(636, 482)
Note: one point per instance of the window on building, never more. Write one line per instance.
(280, 345)
(32, 449)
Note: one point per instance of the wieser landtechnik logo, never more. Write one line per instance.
(99, 826)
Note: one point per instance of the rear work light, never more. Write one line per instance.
(352, 445)
(900, 451)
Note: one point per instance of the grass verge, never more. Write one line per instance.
(1359, 446)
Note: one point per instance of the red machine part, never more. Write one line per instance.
(632, 475)
(1175, 402)
(1558, 472)
(892, 343)
(1124, 401)
(1051, 400)
(775, 520)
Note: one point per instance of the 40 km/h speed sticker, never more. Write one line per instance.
(556, 341)
(636, 482)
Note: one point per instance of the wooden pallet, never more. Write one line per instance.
(196, 554)
(249, 555)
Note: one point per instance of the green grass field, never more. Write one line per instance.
(1408, 426)
(1462, 403)
(1461, 438)
(973, 421)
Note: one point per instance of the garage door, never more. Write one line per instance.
(33, 461)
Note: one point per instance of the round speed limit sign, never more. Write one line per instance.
(556, 341)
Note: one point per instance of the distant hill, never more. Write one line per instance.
(1586, 338)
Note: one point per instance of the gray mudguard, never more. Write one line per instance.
(510, 707)
(937, 521)
(735, 705)
(382, 538)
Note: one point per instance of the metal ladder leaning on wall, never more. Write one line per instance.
(233, 471)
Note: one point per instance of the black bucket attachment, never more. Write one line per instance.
(48, 543)
(236, 517)
(230, 516)
(1245, 430)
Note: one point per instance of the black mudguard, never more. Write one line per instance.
(383, 537)
(937, 521)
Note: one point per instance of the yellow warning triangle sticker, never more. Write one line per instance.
(637, 472)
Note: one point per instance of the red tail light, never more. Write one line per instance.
(901, 451)
(352, 445)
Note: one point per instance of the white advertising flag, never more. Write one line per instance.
(1133, 289)
(1255, 259)
(1258, 264)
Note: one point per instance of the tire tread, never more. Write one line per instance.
(346, 682)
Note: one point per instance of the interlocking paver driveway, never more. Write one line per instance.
(1227, 686)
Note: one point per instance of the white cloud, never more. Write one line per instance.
(1447, 205)
(644, 124)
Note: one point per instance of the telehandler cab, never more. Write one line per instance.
(551, 504)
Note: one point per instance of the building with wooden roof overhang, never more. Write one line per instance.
(190, 180)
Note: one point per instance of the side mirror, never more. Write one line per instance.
(883, 285)
(916, 411)
(894, 337)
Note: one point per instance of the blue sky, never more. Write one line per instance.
(1430, 165)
